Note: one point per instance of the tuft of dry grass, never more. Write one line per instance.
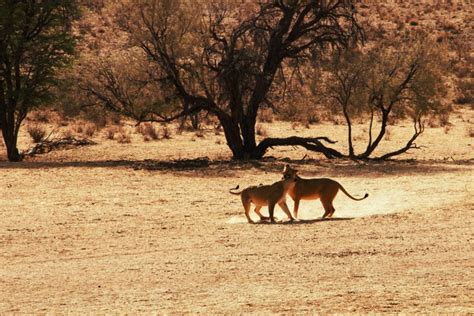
(78, 128)
(110, 133)
(166, 132)
(90, 129)
(124, 137)
(36, 132)
(148, 131)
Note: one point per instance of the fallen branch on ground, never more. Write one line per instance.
(46, 145)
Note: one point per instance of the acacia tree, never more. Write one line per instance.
(35, 41)
(394, 80)
(220, 59)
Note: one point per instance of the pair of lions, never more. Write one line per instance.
(298, 188)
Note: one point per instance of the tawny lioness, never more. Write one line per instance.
(268, 195)
(316, 188)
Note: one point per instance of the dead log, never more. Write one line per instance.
(45, 146)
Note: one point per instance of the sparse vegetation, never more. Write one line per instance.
(148, 131)
(37, 132)
(166, 132)
(123, 137)
(36, 42)
(90, 129)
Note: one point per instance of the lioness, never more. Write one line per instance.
(268, 195)
(313, 189)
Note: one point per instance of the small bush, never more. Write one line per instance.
(110, 133)
(124, 137)
(79, 128)
(148, 131)
(36, 132)
(313, 118)
(166, 132)
(90, 130)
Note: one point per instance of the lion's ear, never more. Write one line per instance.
(286, 167)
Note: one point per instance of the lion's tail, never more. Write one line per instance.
(347, 193)
(235, 193)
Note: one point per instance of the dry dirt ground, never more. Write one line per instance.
(101, 230)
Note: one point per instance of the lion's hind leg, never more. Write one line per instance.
(257, 210)
(246, 203)
(328, 208)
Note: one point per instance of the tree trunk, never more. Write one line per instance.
(10, 139)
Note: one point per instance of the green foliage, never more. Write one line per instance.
(35, 42)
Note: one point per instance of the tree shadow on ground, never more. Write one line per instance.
(207, 168)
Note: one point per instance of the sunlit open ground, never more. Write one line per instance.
(99, 230)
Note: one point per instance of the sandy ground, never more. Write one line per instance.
(101, 230)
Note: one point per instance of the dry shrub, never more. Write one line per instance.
(440, 121)
(265, 115)
(313, 118)
(89, 130)
(261, 131)
(166, 132)
(148, 131)
(124, 137)
(110, 133)
(78, 127)
(36, 132)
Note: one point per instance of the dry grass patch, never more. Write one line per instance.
(37, 132)
(148, 131)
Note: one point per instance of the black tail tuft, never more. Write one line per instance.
(366, 195)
